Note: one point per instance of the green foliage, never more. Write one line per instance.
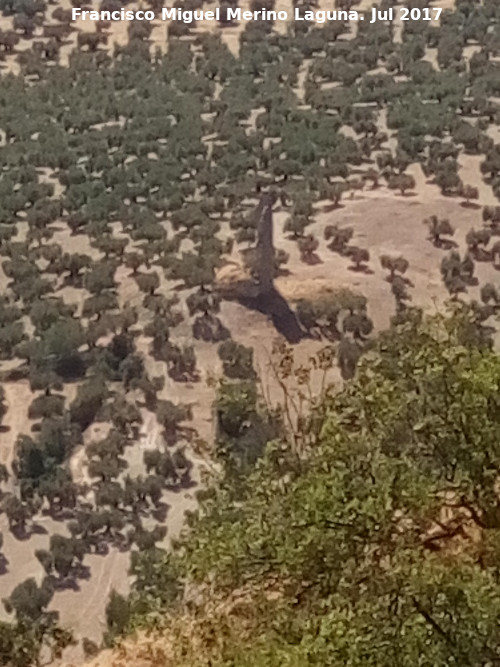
(117, 613)
(89, 399)
(401, 182)
(157, 580)
(244, 424)
(438, 228)
(171, 417)
(343, 552)
(125, 189)
(38, 459)
(21, 642)
(29, 601)
(237, 360)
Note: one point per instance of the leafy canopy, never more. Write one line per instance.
(379, 546)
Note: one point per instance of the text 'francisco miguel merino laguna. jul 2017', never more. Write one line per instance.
(228, 14)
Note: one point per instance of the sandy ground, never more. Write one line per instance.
(14, 421)
(385, 223)
(83, 609)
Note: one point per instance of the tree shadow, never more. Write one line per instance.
(68, 583)
(76, 282)
(160, 512)
(407, 195)
(482, 255)
(471, 281)
(4, 563)
(311, 260)
(312, 334)
(445, 244)
(37, 529)
(59, 513)
(183, 483)
(172, 437)
(23, 533)
(82, 571)
(406, 280)
(59, 228)
(328, 208)
(70, 580)
(470, 205)
(186, 482)
(361, 269)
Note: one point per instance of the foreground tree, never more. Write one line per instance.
(397, 491)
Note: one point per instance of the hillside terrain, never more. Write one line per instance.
(374, 542)
(140, 357)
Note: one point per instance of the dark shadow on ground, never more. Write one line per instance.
(277, 309)
(23, 533)
(445, 244)
(312, 260)
(361, 269)
(159, 513)
(4, 564)
(470, 205)
(329, 208)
